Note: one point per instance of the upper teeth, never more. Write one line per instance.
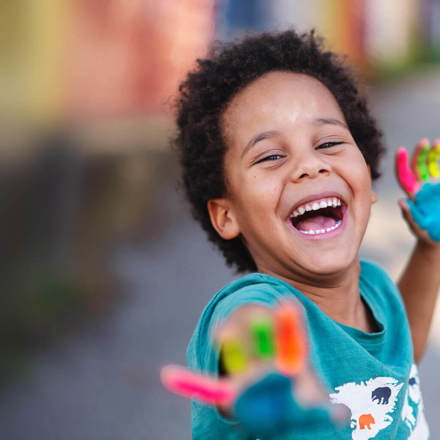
(316, 204)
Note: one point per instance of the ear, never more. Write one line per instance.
(374, 197)
(222, 218)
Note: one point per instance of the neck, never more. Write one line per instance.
(338, 297)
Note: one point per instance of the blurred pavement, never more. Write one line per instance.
(102, 383)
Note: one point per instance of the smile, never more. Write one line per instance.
(318, 217)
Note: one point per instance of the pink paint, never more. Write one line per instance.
(405, 175)
(184, 382)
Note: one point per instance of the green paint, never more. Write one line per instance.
(422, 166)
(263, 334)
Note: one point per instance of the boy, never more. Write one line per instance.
(278, 151)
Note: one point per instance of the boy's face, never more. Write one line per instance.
(289, 153)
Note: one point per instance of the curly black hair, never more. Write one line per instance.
(207, 91)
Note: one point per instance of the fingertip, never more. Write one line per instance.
(170, 374)
(401, 153)
(423, 142)
(401, 159)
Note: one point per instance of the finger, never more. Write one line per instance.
(433, 159)
(246, 339)
(290, 339)
(340, 414)
(182, 381)
(262, 330)
(405, 176)
(233, 355)
(419, 162)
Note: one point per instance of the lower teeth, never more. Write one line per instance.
(322, 231)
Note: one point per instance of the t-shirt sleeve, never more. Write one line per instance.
(244, 296)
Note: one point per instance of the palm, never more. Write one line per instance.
(269, 384)
(420, 182)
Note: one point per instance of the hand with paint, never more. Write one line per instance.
(269, 386)
(421, 182)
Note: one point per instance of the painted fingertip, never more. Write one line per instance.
(262, 330)
(233, 356)
(404, 173)
(180, 380)
(291, 346)
(422, 162)
(433, 162)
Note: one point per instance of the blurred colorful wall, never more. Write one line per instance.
(95, 58)
(87, 89)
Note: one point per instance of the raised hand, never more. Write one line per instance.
(269, 386)
(420, 181)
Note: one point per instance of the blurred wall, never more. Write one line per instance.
(87, 88)
(95, 58)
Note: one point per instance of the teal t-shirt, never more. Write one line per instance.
(373, 374)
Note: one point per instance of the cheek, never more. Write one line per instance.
(258, 201)
(262, 190)
(358, 169)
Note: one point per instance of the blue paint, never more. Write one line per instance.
(425, 209)
(268, 407)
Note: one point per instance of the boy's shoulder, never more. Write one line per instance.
(252, 288)
(256, 288)
(369, 268)
(267, 290)
(374, 278)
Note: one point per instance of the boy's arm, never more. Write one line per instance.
(419, 285)
(420, 281)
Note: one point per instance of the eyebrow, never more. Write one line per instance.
(259, 137)
(331, 121)
(272, 133)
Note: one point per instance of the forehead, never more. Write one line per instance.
(276, 99)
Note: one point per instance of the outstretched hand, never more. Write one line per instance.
(269, 386)
(420, 181)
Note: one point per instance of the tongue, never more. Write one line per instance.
(315, 223)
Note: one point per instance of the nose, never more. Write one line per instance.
(310, 165)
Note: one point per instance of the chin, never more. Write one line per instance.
(330, 264)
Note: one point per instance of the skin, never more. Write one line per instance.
(420, 281)
(288, 141)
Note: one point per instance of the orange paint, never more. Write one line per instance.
(290, 339)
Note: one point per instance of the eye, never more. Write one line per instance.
(328, 145)
(271, 157)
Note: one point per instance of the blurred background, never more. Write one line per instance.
(103, 272)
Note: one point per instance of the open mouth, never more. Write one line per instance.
(318, 216)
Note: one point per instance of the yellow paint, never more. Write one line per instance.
(233, 356)
(433, 162)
